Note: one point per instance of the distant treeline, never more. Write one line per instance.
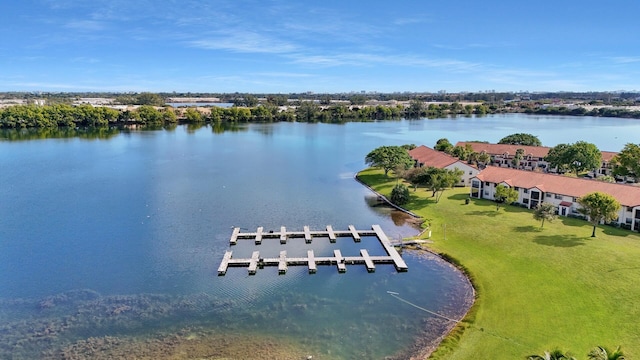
(595, 97)
(580, 111)
(65, 115)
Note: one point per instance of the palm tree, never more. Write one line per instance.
(602, 353)
(552, 355)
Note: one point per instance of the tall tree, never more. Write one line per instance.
(585, 156)
(438, 180)
(545, 211)
(517, 158)
(598, 207)
(192, 115)
(169, 116)
(602, 353)
(505, 194)
(462, 152)
(443, 145)
(484, 158)
(389, 158)
(415, 109)
(521, 139)
(417, 176)
(149, 115)
(261, 113)
(577, 157)
(627, 161)
(307, 111)
(557, 157)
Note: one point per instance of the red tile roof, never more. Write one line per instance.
(536, 151)
(627, 195)
(499, 149)
(608, 155)
(430, 157)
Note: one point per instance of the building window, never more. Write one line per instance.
(525, 201)
(558, 197)
(486, 193)
(548, 195)
(526, 191)
(517, 188)
(470, 172)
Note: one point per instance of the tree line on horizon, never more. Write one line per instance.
(66, 115)
(620, 98)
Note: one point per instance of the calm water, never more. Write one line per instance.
(99, 224)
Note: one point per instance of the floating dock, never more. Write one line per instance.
(311, 261)
(306, 233)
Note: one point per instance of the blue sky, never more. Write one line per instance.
(278, 46)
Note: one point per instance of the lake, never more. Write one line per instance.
(121, 235)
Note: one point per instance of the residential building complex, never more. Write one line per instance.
(425, 156)
(535, 187)
(533, 157)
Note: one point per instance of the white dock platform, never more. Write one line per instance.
(311, 261)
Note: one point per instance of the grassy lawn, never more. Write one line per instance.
(539, 289)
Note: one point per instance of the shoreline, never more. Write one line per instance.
(423, 351)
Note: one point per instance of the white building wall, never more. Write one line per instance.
(469, 172)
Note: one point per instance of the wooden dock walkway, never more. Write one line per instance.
(307, 234)
(311, 261)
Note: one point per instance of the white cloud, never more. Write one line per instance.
(365, 59)
(86, 25)
(283, 75)
(86, 60)
(625, 59)
(411, 20)
(244, 41)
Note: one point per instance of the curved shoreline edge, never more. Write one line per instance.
(453, 333)
(384, 198)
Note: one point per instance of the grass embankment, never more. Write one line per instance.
(538, 289)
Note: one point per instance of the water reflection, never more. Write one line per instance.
(106, 133)
(100, 133)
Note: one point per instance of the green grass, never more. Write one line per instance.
(538, 289)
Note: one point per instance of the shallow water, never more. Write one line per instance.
(90, 227)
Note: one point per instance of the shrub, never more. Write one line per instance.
(400, 194)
